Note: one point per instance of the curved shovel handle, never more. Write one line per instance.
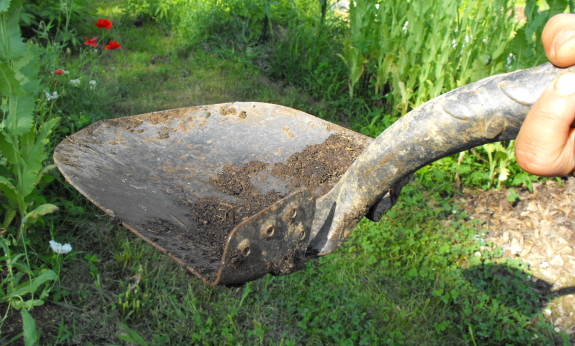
(486, 111)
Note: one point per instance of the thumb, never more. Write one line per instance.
(545, 145)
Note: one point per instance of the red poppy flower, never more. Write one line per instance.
(112, 45)
(58, 72)
(92, 41)
(104, 23)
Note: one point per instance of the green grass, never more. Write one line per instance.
(412, 279)
(153, 73)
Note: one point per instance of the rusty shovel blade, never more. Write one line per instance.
(226, 190)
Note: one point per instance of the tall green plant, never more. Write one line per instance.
(412, 52)
(355, 49)
(526, 45)
(61, 21)
(240, 23)
(22, 141)
(162, 11)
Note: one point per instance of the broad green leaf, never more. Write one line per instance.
(11, 45)
(43, 172)
(20, 266)
(11, 192)
(20, 116)
(16, 304)
(33, 155)
(14, 5)
(42, 210)
(5, 245)
(9, 217)
(4, 4)
(26, 304)
(9, 85)
(32, 303)
(31, 286)
(445, 249)
(31, 336)
(8, 150)
(535, 26)
(383, 72)
(557, 6)
(26, 70)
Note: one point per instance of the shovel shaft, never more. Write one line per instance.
(486, 111)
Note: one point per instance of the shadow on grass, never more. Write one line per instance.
(513, 287)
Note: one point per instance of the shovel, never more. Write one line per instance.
(235, 191)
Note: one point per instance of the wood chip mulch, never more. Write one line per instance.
(539, 228)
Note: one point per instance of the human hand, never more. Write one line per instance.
(545, 145)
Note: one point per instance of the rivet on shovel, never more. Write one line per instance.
(290, 214)
(244, 247)
(300, 232)
(267, 231)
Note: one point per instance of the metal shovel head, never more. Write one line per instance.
(226, 190)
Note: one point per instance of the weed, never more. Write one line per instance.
(62, 21)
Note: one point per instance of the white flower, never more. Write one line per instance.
(59, 248)
(454, 44)
(93, 84)
(477, 254)
(51, 97)
(75, 82)
(405, 25)
(557, 329)
(547, 312)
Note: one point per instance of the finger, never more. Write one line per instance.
(558, 40)
(546, 142)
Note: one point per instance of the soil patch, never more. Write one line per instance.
(319, 167)
(539, 228)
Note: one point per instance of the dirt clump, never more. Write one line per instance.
(318, 167)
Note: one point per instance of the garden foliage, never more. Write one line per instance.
(22, 170)
(413, 52)
(22, 138)
(364, 68)
(62, 21)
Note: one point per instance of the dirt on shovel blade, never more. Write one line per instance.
(258, 185)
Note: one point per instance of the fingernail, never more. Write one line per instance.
(561, 42)
(565, 84)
